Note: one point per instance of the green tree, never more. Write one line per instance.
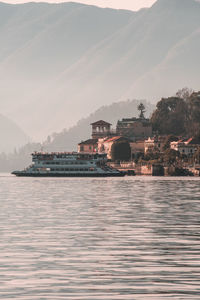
(152, 154)
(178, 115)
(170, 138)
(169, 116)
(196, 157)
(193, 116)
(141, 108)
(171, 156)
(184, 93)
(121, 151)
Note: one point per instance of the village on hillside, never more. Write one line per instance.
(165, 143)
(134, 146)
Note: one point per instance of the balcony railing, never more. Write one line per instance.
(112, 131)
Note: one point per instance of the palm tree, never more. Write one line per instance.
(141, 108)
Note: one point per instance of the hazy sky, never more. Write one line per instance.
(124, 4)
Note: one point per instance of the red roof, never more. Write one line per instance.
(89, 142)
(101, 123)
(116, 138)
(190, 141)
(193, 141)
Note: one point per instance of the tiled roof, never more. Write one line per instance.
(190, 141)
(100, 123)
(116, 138)
(89, 142)
(193, 141)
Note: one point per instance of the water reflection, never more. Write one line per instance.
(122, 238)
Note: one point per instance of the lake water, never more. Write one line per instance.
(116, 238)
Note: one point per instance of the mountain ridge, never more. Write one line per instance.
(12, 135)
(65, 60)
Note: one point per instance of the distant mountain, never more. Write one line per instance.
(59, 62)
(39, 41)
(180, 66)
(11, 136)
(67, 140)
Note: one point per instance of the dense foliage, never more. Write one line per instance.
(178, 115)
(121, 151)
(170, 138)
(169, 157)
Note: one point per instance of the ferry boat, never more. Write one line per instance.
(64, 164)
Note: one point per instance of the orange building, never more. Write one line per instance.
(89, 146)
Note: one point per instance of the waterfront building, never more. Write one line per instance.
(135, 128)
(155, 143)
(100, 129)
(132, 131)
(88, 146)
(187, 147)
(105, 144)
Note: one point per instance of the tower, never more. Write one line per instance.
(100, 129)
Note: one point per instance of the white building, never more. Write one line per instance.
(156, 142)
(187, 147)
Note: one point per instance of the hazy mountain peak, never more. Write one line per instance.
(11, 135)
(59, 62)
(175, 4)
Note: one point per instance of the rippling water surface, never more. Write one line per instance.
(120, 238)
